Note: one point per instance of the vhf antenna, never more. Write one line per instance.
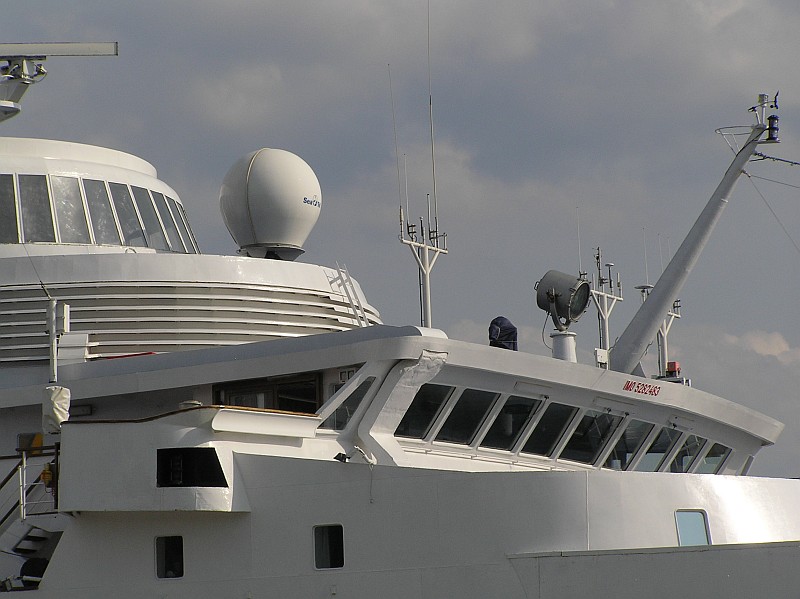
(429, 242)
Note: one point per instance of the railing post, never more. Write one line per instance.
(22, 485)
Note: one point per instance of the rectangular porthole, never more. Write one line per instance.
(169, 557)
(692, 528)
(328, 546)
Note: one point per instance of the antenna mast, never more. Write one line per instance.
(633, 342)
(21, 66)
(604, 301)
(426, 247)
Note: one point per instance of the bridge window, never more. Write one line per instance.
(688, 452)
(629, 443)
(652, 459)
(513, 417)
(714, 459)
(466, 416)
(549, 429)
(590, 436)
(423, 410)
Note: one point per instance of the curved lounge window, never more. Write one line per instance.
(169, 225)
(155, 234)
(70, 212)
(186, 236)
(8, 211)
(34, 201)
(66, 209)
(103, 223)
(128, 218)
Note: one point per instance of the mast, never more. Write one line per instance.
(23, 67)
(632, 344)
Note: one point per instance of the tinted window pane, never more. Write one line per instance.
(155, 234)
(70, 214)
(656, 452)
(629, 443)
(297, 396)
(549, 429)
(512, 418)
(169, 224)
(423, 410)
(182, 227)
(687, 453)
(692, 528)
(329, 546)
(339, 419)
(590, 437)
(8, 210)
(169, 557)
(37, 220)
(714, 459)
(128, 220)
(467, 415)
(103, 224)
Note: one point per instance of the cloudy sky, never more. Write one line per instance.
(550, 117)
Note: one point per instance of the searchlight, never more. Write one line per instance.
(563, 296)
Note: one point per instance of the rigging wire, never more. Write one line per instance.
(766, 203)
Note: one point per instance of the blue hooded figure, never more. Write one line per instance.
(503, 333)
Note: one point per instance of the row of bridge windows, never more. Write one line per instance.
(59, 209)
(539, 427)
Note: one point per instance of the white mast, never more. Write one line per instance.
(23, 67)
(632, 344)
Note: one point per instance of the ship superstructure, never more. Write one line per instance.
(184, 425)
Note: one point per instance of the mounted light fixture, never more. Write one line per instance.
(563, 296)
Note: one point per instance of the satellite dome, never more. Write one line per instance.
(270, 200)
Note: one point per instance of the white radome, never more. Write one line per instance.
(270, 200)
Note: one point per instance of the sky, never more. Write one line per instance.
(558, 125)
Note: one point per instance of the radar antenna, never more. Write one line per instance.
(21, 66)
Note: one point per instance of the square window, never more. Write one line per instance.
(169, 557)
(329, 546)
